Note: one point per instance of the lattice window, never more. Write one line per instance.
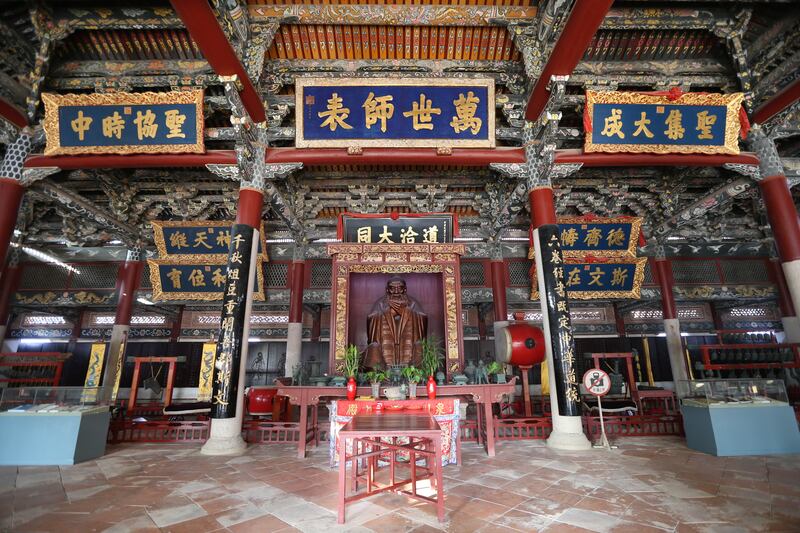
(520, 273)
(472, 274)
(745, 271)
(321, 273)
(99, 319)
(144, 282)
(647, 315)
(43, 277)
(276, 274)
(648, 275)
(43, 320)
(95, 277)
(752, 312)
(695, 272)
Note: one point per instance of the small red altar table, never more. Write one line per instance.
(376, 435)
(308, 397)
(444, 410)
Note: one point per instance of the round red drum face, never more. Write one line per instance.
(523, 346)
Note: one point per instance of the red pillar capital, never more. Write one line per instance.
(543, 207)
(782, 216)
(498, 269)
(251, 202)
(662, 269)
(296, 296)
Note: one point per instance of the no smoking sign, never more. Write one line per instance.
(597, 382)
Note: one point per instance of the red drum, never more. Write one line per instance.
(522, 345)
(259, 401)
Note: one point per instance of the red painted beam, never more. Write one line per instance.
(199, 19)
(12, 113)
(596, 159)
(586, 17)
(71, 162)
(396, 156)
(789, 95)
(384, 156)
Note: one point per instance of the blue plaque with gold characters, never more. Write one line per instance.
(606, 237)
(124, 123)
(196, 279)
(391, 112)
(183, 239)
(617, 278)
(661, 124)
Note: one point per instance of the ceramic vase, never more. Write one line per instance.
(412, 390)
(431, 388)
(376, 390)
(352, 388)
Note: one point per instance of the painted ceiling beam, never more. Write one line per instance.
(77, 162)
(12, 113)
(596, 159)
(396, 156)
(387, 156)
(777, 103)
(583, 22)
(390, 15)
(200, 21)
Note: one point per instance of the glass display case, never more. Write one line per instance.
(50, 400)
(732, 392)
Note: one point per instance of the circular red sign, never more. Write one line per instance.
(597, 382)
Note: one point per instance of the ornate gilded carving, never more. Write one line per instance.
(733, 102)
(53, 101)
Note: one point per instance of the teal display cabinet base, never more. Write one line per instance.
(53, 438)
(741, 430)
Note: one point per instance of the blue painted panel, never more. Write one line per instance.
(745, 430)
(350, 104)
(691, 124)
(42, 439)
(74, 119)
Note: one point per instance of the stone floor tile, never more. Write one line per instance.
(240, 514)
(591, 520)
(167, 516)
(261, 524)
(205, 524)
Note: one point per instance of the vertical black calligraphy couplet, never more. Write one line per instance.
(554, 294)
(231, 331)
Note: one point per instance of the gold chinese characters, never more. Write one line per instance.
(379, 109)
(114, 124)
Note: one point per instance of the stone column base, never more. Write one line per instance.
(225, 437)
(568, 434)
(791, 271)
(791, 328)
(677, 359)
(294, 346)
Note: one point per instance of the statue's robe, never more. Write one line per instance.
(394, 338)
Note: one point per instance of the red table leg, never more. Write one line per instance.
(487, 413)
(134, 387)
(342, 479)
(170, 384)
(301, 445)
(437, 468)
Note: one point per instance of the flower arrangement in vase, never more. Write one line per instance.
(413, 375)
(351, 363)
(375, 377)
(496, 369)
(432, 356)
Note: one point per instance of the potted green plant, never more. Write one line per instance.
(413, 375)
(375, 378)
(351, 363)
(497, 369)
(432, 356)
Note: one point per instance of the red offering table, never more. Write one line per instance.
(444, 410)
(308, 397)
(376, 435)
